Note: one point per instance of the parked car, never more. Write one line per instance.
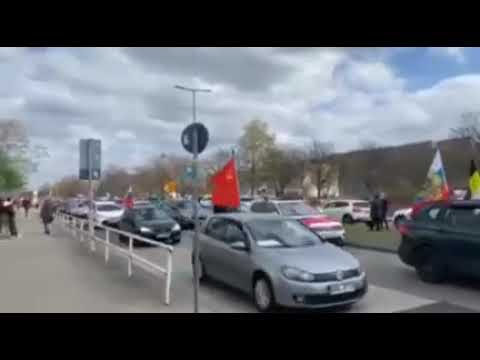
(443, 238)
(278, 261)
(80, 209)
(348, 211)
(149, 222)
(328, 228)
(172, 211)
(107, 213)
(186, 209)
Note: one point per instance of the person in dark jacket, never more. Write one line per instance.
(384, 210)
(9, 213)
(2, 214)
(26, 203)
(46, 214)
(375, 212)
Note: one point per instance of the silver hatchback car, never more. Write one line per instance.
(279, 262)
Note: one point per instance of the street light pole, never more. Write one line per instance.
(195, 195)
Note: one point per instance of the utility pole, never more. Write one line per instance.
(196, 269)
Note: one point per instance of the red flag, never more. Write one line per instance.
(128, 201)
(226, 192)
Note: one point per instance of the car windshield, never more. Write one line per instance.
(150, 214)
(296, 209)
(281, 233)
(108, 208)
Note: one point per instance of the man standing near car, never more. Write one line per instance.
(375, 212)
(384, 210)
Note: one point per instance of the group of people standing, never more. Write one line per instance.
(378, 212)
(9, 207)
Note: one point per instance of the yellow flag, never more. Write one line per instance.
(170, 187)
(474, 184)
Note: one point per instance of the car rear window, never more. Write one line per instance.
(263, 207)
(296, 209)
(362, 204)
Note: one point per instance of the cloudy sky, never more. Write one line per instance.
(125, 96)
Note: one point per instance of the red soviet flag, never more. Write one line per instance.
(226, 192)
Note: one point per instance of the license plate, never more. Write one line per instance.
(341, 289)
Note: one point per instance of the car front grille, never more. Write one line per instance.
(327, 299)
(333, 276)
(161, 229)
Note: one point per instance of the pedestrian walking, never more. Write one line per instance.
(26, 203)
(384, 210)
(2, 215)
(9, 213)
(46, 214)
(375, 213)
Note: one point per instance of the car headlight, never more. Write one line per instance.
(176, 227)
(297, 274)
(144, 229)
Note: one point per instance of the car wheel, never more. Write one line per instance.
(431, 269)
(263, 294)
(347, 219)
(398, 220)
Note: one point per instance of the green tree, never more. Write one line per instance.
(254, 145)
(281, 166)
(11, 176)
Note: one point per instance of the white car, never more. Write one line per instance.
(401, 215)
(80, 209)
(107, 212)
(347, 211)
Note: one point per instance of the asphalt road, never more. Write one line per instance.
(385, 270)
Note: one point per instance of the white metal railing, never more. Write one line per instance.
(77, 227)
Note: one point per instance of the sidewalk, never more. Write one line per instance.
(57, 273)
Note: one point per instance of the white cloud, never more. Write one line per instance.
(125, 135)
(126, 98)
(457, 53)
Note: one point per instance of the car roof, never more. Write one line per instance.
(246, 217)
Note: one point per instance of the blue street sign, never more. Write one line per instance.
(202, 137)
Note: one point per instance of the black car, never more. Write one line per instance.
(443, 238)
(151, 223)
(172, 211)
(186, 208)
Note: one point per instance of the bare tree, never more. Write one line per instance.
(323, 165)
(468, 126)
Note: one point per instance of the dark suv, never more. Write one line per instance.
(443, 238)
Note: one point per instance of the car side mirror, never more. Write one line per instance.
(240, 246)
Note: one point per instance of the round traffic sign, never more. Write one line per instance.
(188, 136)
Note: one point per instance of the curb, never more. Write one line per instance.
(373, 248)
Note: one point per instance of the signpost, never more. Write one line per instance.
(90, 169)
(195, 139)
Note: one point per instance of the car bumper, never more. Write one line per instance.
(172, 238)
(295, 294)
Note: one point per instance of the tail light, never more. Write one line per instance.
(404, 230)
